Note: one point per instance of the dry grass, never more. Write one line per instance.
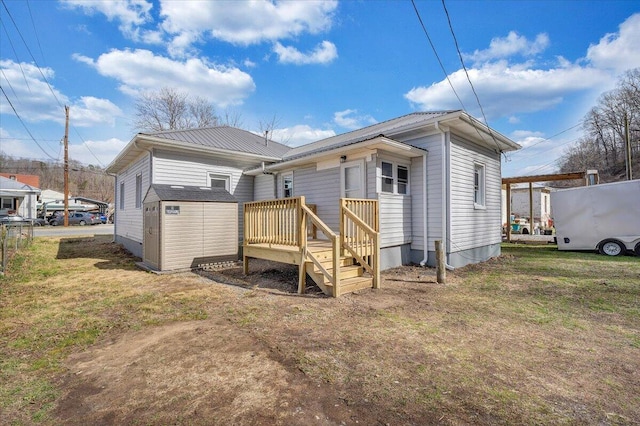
(536, 336)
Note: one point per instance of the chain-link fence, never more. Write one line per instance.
(13, 237)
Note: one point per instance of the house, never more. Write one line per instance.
(521, 205)
(433, 175)
(18, 198)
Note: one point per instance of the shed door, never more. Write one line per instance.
(151, 243)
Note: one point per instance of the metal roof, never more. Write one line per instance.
(227, 138)
(385, 128)
(188, 193)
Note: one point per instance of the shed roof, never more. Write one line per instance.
(160, 192)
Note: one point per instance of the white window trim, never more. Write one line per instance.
(121, 202)
(363, 182)
(394, 171)
(482, 187)
(139, 191)
(284, 189)
(220, 176)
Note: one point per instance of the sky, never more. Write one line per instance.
(530, 69)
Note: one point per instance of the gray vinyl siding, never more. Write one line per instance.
(321, 188)
(473, 227)
(433, 144)
(184, 169)
(371, 177)
(395, 219)
(129, 219)
(263, 187)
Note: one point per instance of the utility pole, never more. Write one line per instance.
(627, 147)
(66, 166)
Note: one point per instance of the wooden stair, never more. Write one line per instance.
(352, 276)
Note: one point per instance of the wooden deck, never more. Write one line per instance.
(285, 230)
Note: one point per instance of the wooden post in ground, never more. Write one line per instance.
(441, 272)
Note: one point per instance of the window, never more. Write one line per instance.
(403, 179)
(219, 181)
(121, 195)
(395, 183)
(387, 177)
(7, 204)
(288, 185)
(478, 185)
(138, 191)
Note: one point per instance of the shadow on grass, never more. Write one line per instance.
(108, 255)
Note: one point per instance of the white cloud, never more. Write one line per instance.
(36, 101)
(132, 14)
(244, 22)
(507, 88)
(90, 151)
(142, 70)
(349, 119)
(23, 147)
(618, 51)
(527, 138)
(300, 134)
(512, 44)
(324, 53)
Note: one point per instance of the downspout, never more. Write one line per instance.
(425, 234)
(445, 193)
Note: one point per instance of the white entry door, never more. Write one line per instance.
(352, 179)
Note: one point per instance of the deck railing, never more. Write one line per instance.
(360, 233)
(291, 222)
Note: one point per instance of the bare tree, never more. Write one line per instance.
(602, 146)
(170, 109)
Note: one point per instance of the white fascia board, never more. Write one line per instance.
(375, 143)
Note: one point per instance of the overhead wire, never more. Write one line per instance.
(466, 72)
(23, 124)
(42, 74)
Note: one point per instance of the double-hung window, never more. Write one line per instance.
(287, 183)
(478, 186)
(395, 178)
(138, 191)
(121, 195)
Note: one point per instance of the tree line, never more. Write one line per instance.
(602, 145)
(84, 181)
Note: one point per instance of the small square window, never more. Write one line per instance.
(288, 185)
(219, 181)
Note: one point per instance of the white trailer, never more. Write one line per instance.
(602, 217)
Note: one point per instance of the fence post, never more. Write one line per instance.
(441, 272)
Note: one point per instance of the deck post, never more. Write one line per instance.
(302, 241)
(341, 233)
(336, 266)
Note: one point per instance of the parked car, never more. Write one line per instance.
(20, 219)
(76, 218)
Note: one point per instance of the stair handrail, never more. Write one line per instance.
(371, 265)
(335, 244)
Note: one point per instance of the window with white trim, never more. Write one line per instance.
(395, 178)
(7, 203)
(219, 181)
(121, 195)
(287, 184)
(478, 185)
(138, 191)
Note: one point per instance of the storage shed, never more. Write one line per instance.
(188, 227)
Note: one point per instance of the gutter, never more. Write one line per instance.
(445, 194)
(425, 234)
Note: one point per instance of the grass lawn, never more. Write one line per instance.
(536, 336)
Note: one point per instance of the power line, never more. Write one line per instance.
(35, 31)
(435, 52)
(25, 126)
(466, 72)
(548, 139)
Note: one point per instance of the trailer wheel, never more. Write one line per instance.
(637, 249)
(611, 247)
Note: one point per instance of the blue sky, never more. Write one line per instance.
(320, 68)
